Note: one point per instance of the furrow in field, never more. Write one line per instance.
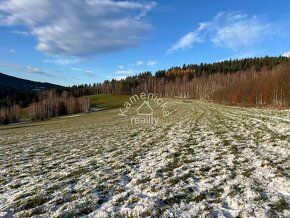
(203, 160)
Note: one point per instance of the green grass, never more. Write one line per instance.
(102, 100)
(108, 101)
(34, 201)
(24, 113)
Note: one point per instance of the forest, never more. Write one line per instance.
(249, 82)
(46, 105)
(246, 82)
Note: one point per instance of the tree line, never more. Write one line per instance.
(9, 114)
(267, 88)
(48, 104)
(51, 104)
(250, 81)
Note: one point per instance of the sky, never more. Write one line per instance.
(89, 41)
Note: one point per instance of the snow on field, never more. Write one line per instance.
(204, 160)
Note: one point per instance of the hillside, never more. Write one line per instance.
(11, 83)
(15, 90)
(250, 82)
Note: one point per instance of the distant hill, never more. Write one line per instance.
(14, 90)
(10, 84)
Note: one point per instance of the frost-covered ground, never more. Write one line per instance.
(204, 160)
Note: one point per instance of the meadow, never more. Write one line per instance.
(204, 160)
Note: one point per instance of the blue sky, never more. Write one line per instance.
(88, 41)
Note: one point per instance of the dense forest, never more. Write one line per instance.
(14, 90)
(48, 104)
(251, 81)
(9, 114)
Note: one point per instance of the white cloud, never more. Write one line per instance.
(151, 63)
(26, 69)
(24, 33)
(286, 54)
(123, 72)
(128, 71)
(148, 63)
(63, 61)
(76, 69)
(139, 63)
(89, 73)
(187, 41)
(230, 30)
(79, 27)
(30, 69)
(237, 30)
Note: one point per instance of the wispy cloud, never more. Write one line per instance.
(127, 71)
(151, 63)
(79, 28)
(24, 33)
(89, 73)
(131, 69)
(148, 63)
(187, 41)
(139, 63)
(26, 69)
(229, 30)
(76, 69)
(286, 54)
(251, 53)
(239, 30)
(35, 70)
(63, 61)
(123, 72)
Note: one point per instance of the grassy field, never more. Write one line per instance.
(104, 101)
(108, 101)
(204, 160)
(24, 113)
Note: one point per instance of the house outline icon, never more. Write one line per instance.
(145, 104)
